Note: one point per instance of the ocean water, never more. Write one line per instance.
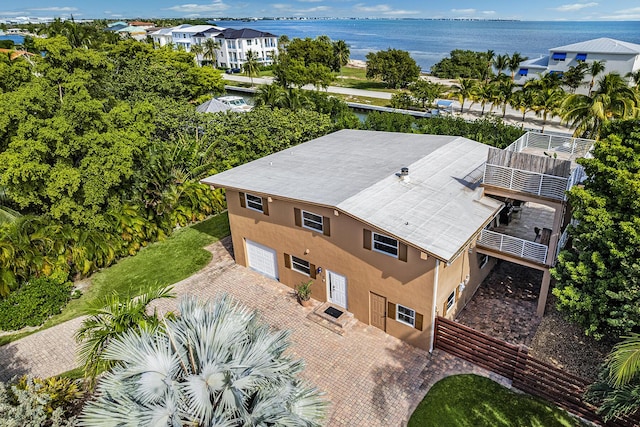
(429, 41)
(16, 38)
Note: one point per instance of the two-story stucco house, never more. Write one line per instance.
(618, 57)
(394, 228)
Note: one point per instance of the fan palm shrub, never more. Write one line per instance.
(214, 365)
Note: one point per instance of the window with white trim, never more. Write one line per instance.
(405, 315)
(254, 202)
(385, 244)
(312, 221)
(300, 265)
(451, 299)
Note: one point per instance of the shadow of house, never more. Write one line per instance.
(12, 365)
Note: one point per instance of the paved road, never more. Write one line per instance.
(471, 111)
(370, 378)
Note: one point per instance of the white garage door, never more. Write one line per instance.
(262, 259)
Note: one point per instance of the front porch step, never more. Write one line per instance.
(337, 325)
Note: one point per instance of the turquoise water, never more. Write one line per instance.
(16, 39)
(429, 41)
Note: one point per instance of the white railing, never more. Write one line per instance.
(514, 246)
(575, 147)
(540, 184)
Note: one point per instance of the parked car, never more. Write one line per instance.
(233, 71)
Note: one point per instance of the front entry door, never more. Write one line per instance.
(337, 285)
(378, 311)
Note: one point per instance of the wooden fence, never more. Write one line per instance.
(525, 372)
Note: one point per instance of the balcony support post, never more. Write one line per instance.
(544, 292)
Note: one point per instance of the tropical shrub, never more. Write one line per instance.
(112, 318)
(34, 303)
(215, 364)
(34, 402)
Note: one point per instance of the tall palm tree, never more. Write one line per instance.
(547, 102)
(514, 63)
(489, 55)
(501, 62)
(115, 317)
(595, 68)
(215, 364)
(251, 65)
(504, 88)
(464, 90)
(210, 53)
(483, 93)
(613, 99)
(522, 100)
(197, 50)
(341, 52)
(617, 392)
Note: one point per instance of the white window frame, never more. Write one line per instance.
(247, 202)
(408, 315)
(298, 264)
(451, 300)
(312, 221)
(384, 244)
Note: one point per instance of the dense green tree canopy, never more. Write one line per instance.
(393, 66)
(462, 64)
(598, 278)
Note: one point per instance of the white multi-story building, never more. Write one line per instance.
(618, 57)
(233, 45)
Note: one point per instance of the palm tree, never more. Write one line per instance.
(215, 364)
(483, 93)
(270, 95)
(514, 63)
(115, 317)
(504, 88)
(522, 100)
(595, 69)
(464, 90)
(547, 102)
(501, 62)
(634, 77)
(295, 99)
(197, 50)
(341, 52)
(613, 99)
(489, 55)
(211, 51)
(251, 65)
(618, 390)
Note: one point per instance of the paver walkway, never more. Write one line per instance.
(370, 378)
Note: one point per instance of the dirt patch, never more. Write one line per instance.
(564, 345)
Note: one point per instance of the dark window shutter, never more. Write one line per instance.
(367, 239)
(287, 261)
(312, 271)
(391, 310)
(402, 252)
(243, 202)
(298, 217)
(326, 225)
(265, 206)
(419, 319)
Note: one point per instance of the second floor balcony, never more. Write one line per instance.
(537, 164)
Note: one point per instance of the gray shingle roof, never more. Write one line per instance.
(601, 45)
(212, 106)
(438, 210)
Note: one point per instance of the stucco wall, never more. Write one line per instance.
(407, 283)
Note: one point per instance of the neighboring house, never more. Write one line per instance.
(619, 57)
(233, 44)
(397, 246)
(236, 43)
(213, 106)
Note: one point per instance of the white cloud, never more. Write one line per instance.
(574, 7)
(309, 1)
(488, 12)
(11, 13)
(383, 9)
(214, 6)
(471, 11)
(55, 9)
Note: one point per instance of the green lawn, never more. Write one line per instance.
(160, 264)
(474, 401)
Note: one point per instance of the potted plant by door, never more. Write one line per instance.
(303, 292)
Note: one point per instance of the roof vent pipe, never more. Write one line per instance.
(404, 174)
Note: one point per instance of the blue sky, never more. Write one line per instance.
(484, 9)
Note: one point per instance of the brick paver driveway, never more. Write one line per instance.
(370, 378)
